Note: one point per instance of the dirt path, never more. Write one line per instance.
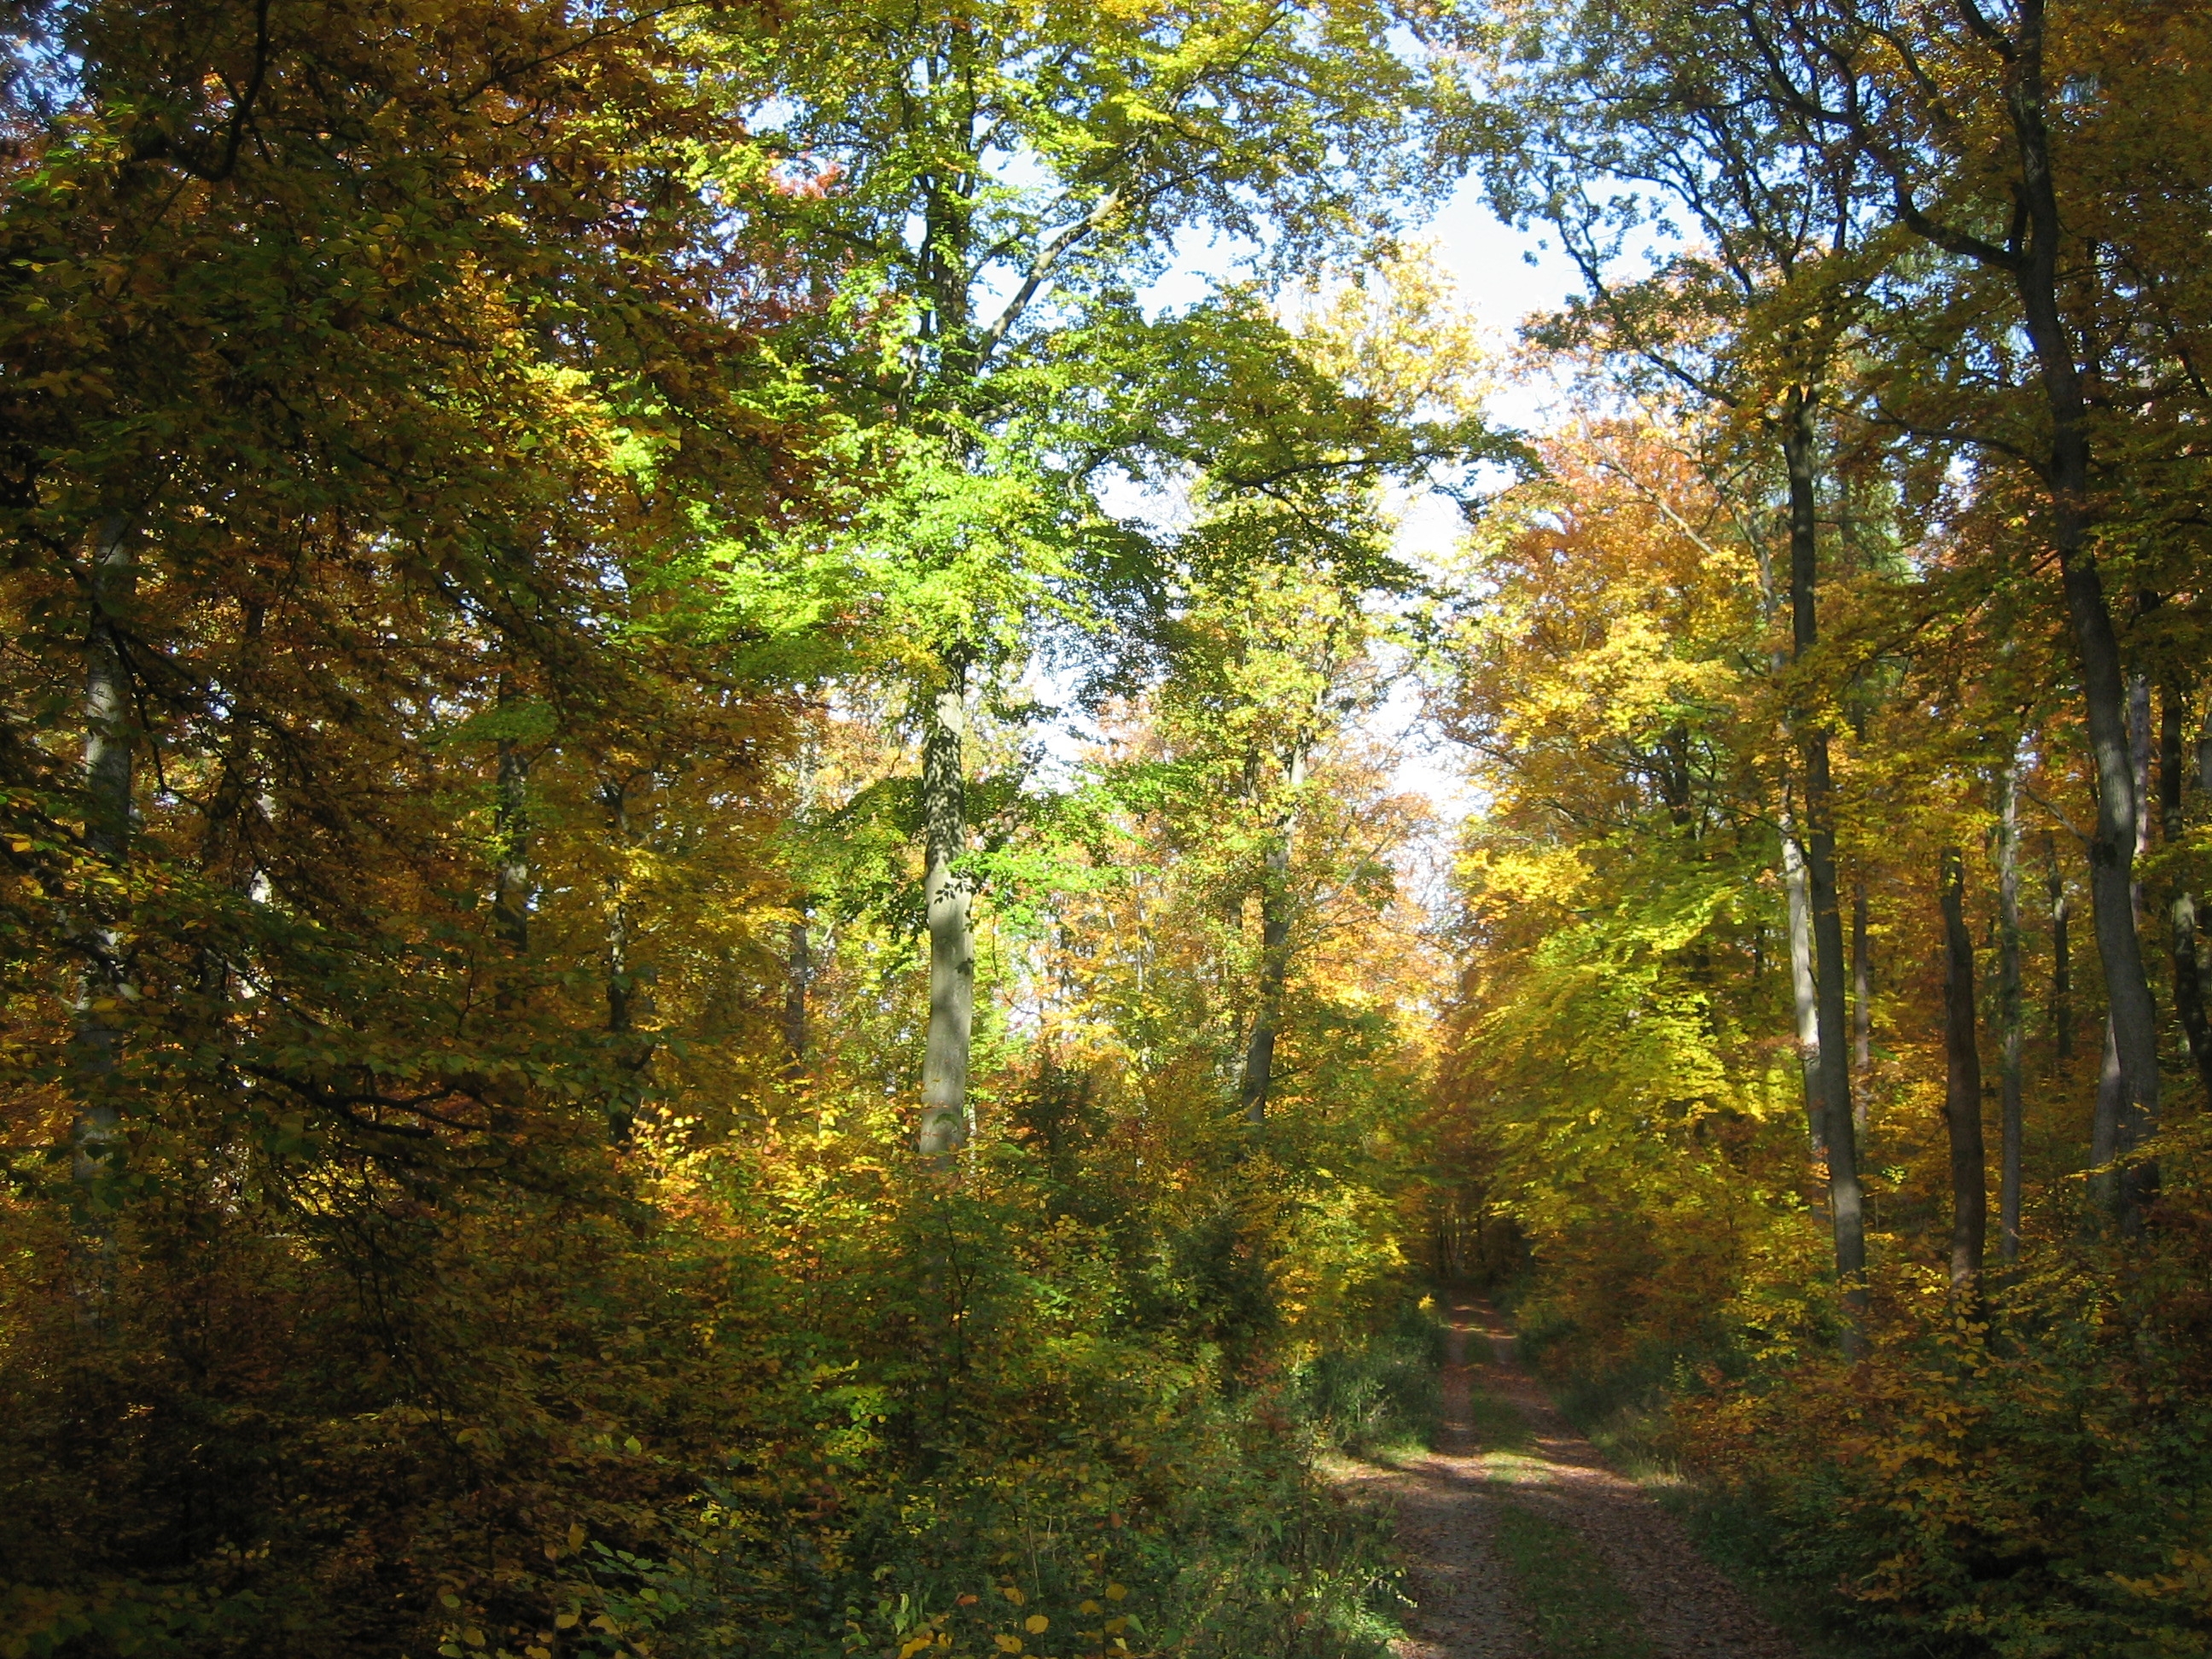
(1448, 1504)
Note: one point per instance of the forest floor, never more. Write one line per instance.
(1520, 1542)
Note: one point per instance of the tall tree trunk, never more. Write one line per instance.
(1799, 893)
(950, 921)
(1845, 1202)
(2183, 938)
(510, 901)
(614, 795)
(2009, 1006)
(2035, 274)
(1962, 1093)
(799, 978)
(1861, 987)
(2061, 962)
(799, 964)
(95, 1133)
(2138, 1179)
(1274, 951)
(2105, 1121)
(631, 1055)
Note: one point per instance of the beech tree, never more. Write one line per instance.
(983, 200)
(1960, 116)
(1606, 124)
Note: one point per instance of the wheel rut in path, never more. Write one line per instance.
(1449, 1505)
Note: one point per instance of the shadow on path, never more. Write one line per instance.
(1504, 1447)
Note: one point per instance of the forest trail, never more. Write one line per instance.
(1512, 1487)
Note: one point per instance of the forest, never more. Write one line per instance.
(726, 922)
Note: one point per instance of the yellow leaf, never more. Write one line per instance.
(565, 1621)
(1012, 1592)
(576, 1537)
(1037, 1624)
(1008, 1643)
(1115, 1592)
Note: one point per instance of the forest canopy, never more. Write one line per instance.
(722, 929)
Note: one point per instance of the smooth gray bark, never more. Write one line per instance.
(1847, 1209)
(2112, 852)
(2008, 1011)
(1799, 893)
(949, 898)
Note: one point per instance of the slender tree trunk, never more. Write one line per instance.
(1962, 1094)
(510, 901)
(2062, 964)
(616, 797)
(97, 1133)
(1274, 952)
(1861, 987)
(2008, 1005)
(798, 980)
(2120, 804)
(799, 965)
(1845, 1201)
(2182, 940)
(1799, 892)
(2138, 1180)
(632, 1055)
(952, 936)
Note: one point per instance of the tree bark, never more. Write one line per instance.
(510, 901)
(1861, 987)
(2061, 967)
(1962, 1093)
(2009, 1005)
(800, 977)
(2105, 1123)
(945, 1126)
(632, 1055)
(96, 1132)
(2120, 804)
(1845, 1201)
(2184, 942)
(616, 797)
(1274, 951)
(1802, 995)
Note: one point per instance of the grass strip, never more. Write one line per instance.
(1496, 1424)
(1578, 1611)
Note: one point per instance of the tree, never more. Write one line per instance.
(1962, 1093)
(1961, 115)
(1635, 103)
(983, 187)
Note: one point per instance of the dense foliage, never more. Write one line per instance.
(592, 1066)
(1854, 637)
